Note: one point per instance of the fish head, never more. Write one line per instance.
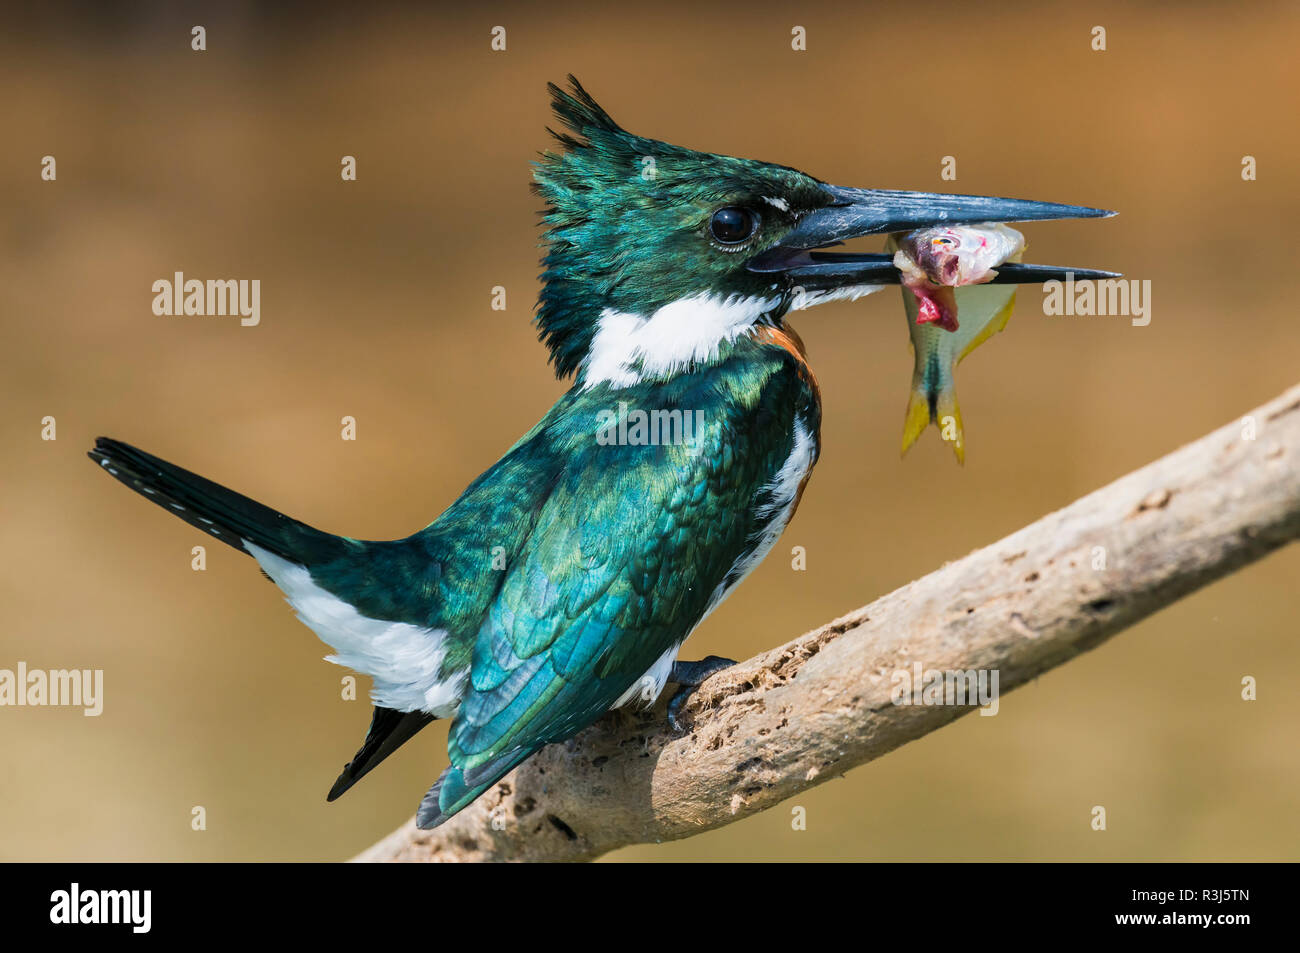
(956, 255)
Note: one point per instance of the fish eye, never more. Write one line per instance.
(942, 241)
(733, 225)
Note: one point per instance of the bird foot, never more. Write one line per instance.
(689, 676)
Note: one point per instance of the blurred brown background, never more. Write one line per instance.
(375, 303)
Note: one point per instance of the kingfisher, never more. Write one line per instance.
(564, 580)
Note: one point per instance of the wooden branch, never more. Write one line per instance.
(819, 705)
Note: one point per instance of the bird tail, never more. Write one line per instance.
(457, 788)
(389, 730)
(229, 516)
(264, 533)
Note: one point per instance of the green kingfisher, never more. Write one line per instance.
(564, 580)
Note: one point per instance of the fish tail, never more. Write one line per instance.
(934, 401)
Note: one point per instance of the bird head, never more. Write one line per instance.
(658, 254)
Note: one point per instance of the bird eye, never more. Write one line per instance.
(733, 225)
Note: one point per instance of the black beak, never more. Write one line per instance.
(820, 270)
(857, 212)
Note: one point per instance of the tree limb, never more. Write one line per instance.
(819, 705)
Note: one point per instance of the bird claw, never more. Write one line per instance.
(689, 676)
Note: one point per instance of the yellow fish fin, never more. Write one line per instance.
(998, 322)
(948, 420)
(916, 419)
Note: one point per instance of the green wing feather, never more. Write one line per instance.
(620, 566)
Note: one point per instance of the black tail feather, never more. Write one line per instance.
(233, 519)
(389, 730)
(219, 512)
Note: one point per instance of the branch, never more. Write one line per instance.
(819, 705)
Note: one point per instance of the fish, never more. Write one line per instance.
(951, 310)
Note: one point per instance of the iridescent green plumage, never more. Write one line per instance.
(626, 550)
(564, 578)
